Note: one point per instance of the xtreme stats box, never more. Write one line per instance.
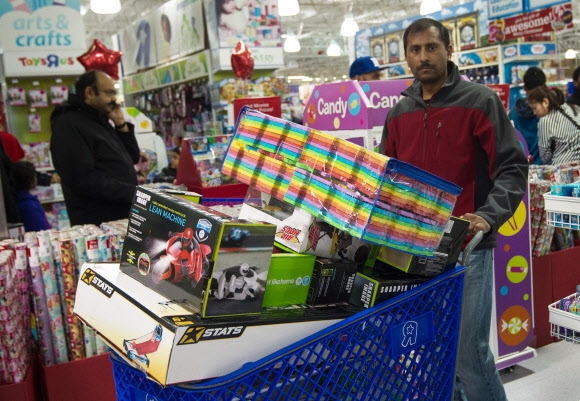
(185, 251)
(170, 342)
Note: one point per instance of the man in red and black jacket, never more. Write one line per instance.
(460, 131)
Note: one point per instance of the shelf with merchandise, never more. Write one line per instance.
(563, 211)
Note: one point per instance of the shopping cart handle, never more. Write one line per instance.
(470, 246)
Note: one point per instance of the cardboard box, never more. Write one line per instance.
(185, 251)
(444, 259)
(293, 224)
(188, 195)
(372, 287)
(168, 341)
(289, 279)
(331, 282)
(88, 379)
(28, 390)
(301, 232)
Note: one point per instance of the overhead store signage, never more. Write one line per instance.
(256, 23)
(47, 28)
(174, 30)
(508, 8)
(528, 49)
(34, 64)
(264, 58)
(364, 36)
(193, 67)
(550, 19)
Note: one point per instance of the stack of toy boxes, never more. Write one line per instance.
(300, 231)
(186, 251)
(370, 196)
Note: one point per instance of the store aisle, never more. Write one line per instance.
(553, 375)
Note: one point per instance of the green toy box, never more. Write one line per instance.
(289, 279)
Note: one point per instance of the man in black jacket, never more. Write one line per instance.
(94, 151)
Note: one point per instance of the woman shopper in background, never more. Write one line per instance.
(559, 125)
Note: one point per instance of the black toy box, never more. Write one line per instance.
(373, 286)
(187, 252)
(331, 281)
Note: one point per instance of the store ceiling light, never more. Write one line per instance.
(430, 7)
(349, 26)
(334, 49)
(570, 54)
(105, 6)
(291, 44)
(288, 8)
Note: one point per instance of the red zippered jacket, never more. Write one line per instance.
(465, 136)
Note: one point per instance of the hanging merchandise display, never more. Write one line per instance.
(242, 61)
(99, 57)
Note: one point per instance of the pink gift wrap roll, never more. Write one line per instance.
(40, 307)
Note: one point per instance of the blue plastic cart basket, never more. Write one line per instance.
(402, 349)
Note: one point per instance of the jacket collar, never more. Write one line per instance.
(453, 77)
(76, 101)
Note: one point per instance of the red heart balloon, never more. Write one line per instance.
(242, 61)
(99, 57)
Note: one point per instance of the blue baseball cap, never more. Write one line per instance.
(364, 65)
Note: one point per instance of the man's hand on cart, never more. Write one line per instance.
(477, 223)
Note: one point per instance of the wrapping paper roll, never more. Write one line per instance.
(23, 279)
(90, 341)
(52, 297)
(75, 334)
(92, 245)
(40, 307)
(102, 347)
(13, 333)
(80, 254)
(104, 244)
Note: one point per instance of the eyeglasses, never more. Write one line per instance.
(108, 92)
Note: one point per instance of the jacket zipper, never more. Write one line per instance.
(424, 150)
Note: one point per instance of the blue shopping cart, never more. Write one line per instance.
(402, 349)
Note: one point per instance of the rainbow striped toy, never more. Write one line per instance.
(371, 196)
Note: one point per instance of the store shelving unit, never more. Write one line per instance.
(563, 211)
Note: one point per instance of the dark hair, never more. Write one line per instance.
(554, 95)
(425, 23)
(533, 78)
(88, 79)
(576, 74)
(23, 174)
(176, 149)
(165, 18)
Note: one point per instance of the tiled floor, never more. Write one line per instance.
(553, 375)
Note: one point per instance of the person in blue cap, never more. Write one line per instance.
(366, 69)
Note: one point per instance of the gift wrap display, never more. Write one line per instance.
(183, 250)
(373, 197)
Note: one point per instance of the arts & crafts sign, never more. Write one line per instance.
(48, 28)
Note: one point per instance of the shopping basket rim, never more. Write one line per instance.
(251, 367)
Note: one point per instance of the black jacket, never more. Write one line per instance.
(575, 97)
(95, 163)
